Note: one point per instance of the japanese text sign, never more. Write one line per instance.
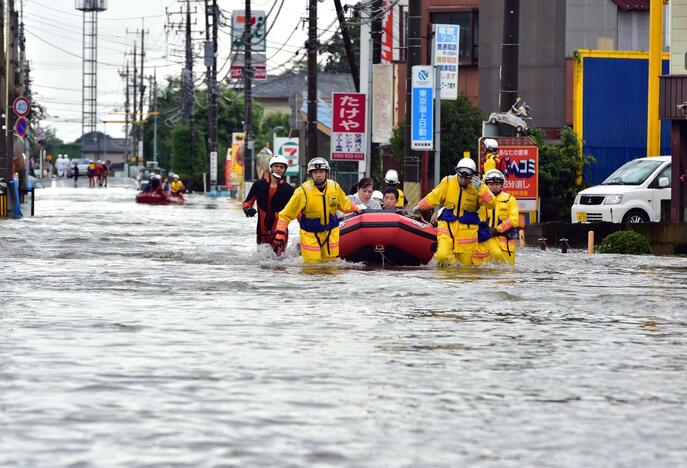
(422, 109)
(348, 126)
(446, 56)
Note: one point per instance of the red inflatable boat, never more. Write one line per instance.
(385, 237)
(160, 198)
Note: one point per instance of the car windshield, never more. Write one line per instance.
(632, 173)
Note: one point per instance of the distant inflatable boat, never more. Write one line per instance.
(160, 198)
(384, 237)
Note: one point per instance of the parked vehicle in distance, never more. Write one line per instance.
(632, 194)
(81, 163)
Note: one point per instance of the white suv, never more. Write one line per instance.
(632, 194)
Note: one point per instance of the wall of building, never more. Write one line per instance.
(542, 77)
(633, 30)
(591, 24)
(678, 37)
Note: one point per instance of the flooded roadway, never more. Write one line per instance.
(136, 335)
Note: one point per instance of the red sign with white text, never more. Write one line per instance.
(522, 170)
(348, 126)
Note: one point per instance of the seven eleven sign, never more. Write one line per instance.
(288, 147)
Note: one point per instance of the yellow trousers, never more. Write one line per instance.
(456, 242)
(497, 249)
(315, 248)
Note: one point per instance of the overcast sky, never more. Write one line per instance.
(54, 49)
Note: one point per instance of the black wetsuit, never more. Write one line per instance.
(268, 208)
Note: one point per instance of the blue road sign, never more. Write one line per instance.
(21, 126)
(422, 110)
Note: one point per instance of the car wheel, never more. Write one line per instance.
(636, 216)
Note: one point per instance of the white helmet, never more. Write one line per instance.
(494, 175)
(391, 177)
(279, 159)
(318, 163)
(491, 144)
(465, 166)
(377, 195)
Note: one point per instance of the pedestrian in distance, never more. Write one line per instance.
(315, 203)
(76, 174)
(461, 195)
(271, 195)
(502, 221)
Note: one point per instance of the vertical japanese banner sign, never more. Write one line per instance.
(382, 102)
(446, 50)
(288, 147)
(422, 110)
(213, 167)
(348, 127)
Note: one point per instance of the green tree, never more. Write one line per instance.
(190, 171)
(558, 167)
(334, 49)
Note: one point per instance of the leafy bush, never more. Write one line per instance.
(625, 242)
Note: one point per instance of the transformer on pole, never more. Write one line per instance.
(90, 9)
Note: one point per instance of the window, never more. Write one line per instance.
(666, 172)
(469, 32)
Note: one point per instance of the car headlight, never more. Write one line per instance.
(577, 199)
(613, 199)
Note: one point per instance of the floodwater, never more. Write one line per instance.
(136, 335)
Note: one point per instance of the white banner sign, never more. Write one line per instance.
(382, 102)
(446, 58)
(213, 167)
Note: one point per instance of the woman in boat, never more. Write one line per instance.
(271, 194)
(461, 195)
(315, 203)
(502, 221)
(363, 198)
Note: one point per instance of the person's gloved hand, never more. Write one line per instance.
(415, 209)
(279, 242)
(476, 181)
(494, 231)
(250, 211)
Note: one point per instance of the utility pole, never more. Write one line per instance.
(410, 161)
(348, 45)
(126, 116)
(510, 48)
(153, 102)
(312, 80)
(211, 75)
(373, 159)
(5, 158)
(10, 84)
(188, 88)
(134, 130)
(249, 159)
(142, 91)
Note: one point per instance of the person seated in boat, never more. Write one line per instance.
(166, 187)
(391, 179)
(271, 195)
(363, 197)
(177, 185)
(154, 184)
(461, 195)
(391, 200)
(502, 224)
(315, 203)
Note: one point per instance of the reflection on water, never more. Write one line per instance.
(138, 335)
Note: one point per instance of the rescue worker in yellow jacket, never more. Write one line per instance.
(461, 195)
(502, 220)
(315, 204)
(492, 160)
(391, 179)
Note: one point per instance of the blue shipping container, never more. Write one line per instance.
(614, 114)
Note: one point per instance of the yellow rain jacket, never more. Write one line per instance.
(491, 161)
(401, 198)
(177, 185)
(456, 235)
(316, 211)
(504, 217)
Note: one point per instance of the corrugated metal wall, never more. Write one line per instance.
(614, 114)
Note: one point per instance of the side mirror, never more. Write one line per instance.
(663, 182)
